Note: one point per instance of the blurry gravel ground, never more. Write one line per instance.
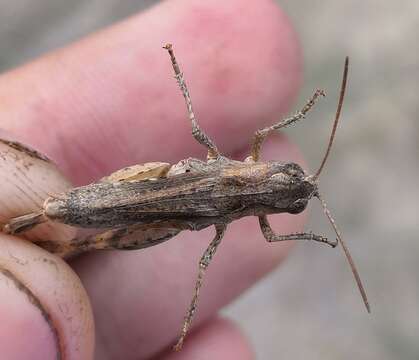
(309, 308)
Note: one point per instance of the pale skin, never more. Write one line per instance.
(116, 110)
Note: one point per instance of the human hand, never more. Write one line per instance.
(109, 101)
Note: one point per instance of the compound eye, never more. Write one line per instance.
(298, 206)
(293, 170)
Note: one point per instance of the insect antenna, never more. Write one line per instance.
(325, 209)
(347, 253)
(338, 111)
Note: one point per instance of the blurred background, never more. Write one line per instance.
(310, 308)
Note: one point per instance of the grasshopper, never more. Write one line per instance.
(145, 205)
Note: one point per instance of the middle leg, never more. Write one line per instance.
(261, 134)
(203, 264)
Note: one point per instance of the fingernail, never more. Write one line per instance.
(28, 178)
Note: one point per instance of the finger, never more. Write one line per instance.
(110, 60)
(141, 297)
(217, 339)
(44, 310)
(111, 100)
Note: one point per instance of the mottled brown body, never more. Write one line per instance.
(145, 205)
(215, 193)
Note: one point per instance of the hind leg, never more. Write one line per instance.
(197, 133)
(129, 238)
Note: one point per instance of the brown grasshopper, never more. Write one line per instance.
(144, 205)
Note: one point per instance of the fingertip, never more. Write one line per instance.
(25, 333)
(45, 311)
